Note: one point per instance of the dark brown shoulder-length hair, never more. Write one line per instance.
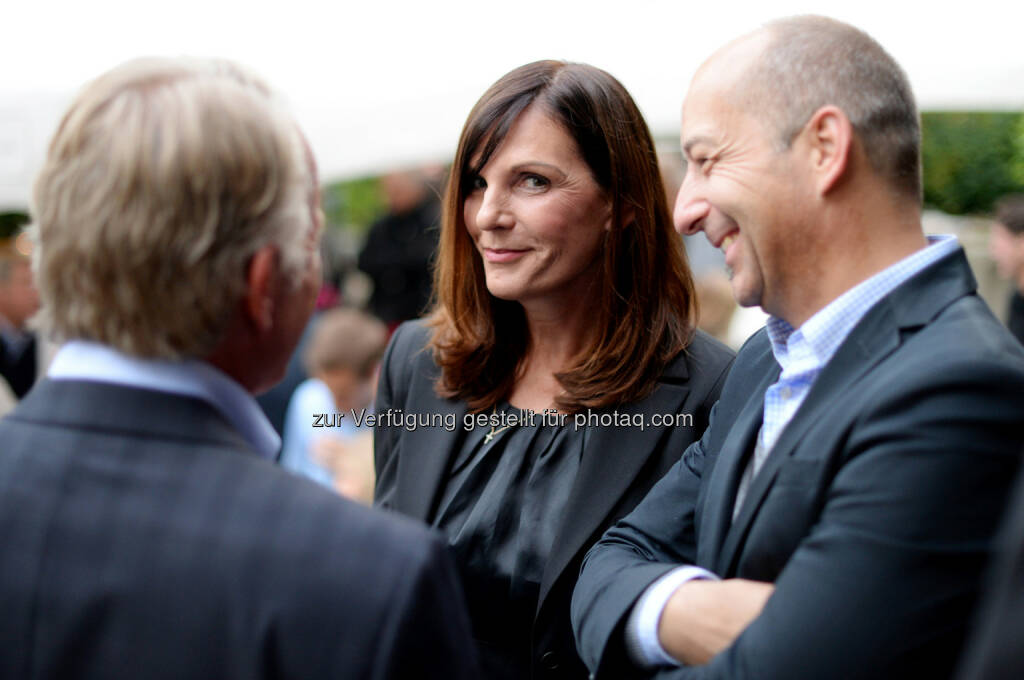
(645, 307)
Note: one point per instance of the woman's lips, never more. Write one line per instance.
(502, 255)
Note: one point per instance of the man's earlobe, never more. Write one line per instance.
(830, 136)
(261, 276)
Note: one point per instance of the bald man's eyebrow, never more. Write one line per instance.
(694, 141)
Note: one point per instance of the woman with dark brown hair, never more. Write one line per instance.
(560, 374)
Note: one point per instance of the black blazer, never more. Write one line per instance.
(618, 466)
(143, 538)
(996, 651)
(873, 514)
(20, 373)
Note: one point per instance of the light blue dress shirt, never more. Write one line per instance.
(311, 398)
(93, 362)
(801, 353)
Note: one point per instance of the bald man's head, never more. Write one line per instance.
(790, 68)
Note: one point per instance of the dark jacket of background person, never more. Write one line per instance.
(1006, 247)
(143, 538)
(619, 466)
(996, 651)
(881, 496)
(397, 257)
(19, 371)
(19, 351)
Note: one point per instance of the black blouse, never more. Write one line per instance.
(502, 505)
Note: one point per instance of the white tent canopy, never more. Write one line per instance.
(388, 84)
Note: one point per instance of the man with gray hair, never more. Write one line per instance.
(147, 532)
(836, 517)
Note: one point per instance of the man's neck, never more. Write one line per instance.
(846, 256)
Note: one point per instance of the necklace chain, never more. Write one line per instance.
(495, 431)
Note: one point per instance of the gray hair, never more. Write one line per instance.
(163, 179)
(813, 61)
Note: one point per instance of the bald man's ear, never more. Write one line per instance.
(830, 136)
(261, 279)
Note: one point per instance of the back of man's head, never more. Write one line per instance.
(161, 182)
(812, 61)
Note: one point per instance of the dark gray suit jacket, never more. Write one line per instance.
(996, 651)
(873, 514)
(619, 466)
(143, 538)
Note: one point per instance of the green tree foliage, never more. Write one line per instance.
(970, 159)
(353, 204)
(1018, 156)
(11, 223)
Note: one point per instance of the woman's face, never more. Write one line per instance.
(537, 216)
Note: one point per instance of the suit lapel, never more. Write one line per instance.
(426, 459)
(869, 343)
(913, 304)
(725, 476)
(613, 458)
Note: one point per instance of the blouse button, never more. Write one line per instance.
(549, 660)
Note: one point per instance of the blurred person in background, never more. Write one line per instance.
(399, 247)
(326, 435)
(20, 354)
(146, 532)
(562, 291)
(1006, 245)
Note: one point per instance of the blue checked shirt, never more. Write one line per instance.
(802, 353)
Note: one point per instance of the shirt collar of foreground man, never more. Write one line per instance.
(836, 517)
(82, 360)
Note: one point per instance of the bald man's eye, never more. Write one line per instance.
(704, 164)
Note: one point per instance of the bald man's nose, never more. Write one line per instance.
(690, 210)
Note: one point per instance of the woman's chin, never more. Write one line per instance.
(503, 291)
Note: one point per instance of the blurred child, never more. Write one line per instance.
(322, 439)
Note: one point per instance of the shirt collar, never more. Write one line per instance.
(84, 360)
(824, 332)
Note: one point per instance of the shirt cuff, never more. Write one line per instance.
(642, 642)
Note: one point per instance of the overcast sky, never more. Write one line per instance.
(380, 84)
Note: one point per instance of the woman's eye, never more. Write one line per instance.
(476, 182)
(535, 181)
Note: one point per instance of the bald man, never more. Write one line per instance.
(836, 517)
